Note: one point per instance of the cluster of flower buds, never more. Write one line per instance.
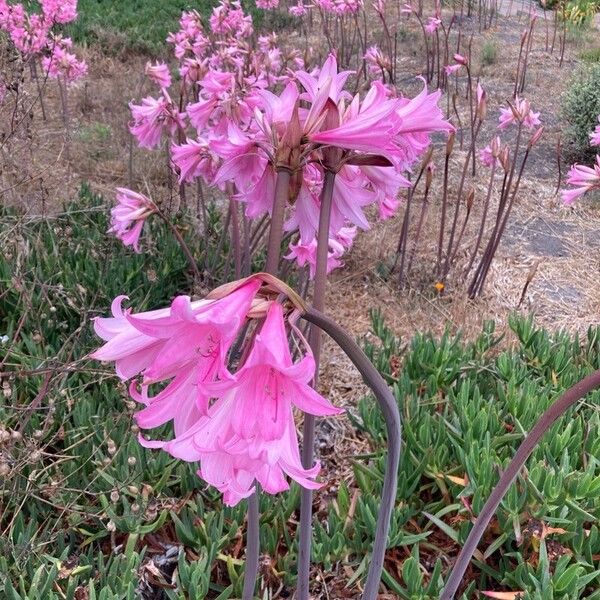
(32, 36)
(232, 414)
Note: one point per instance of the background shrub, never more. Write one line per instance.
(580, 109)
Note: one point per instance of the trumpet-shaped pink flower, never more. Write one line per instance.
(489, 155)
(298, 10)
(59, 11)
(152, 117)
(62, 63)
(194, 159)
(185, 345)
(228, 18)
(127, 218)
(159, 74)
(368, 127)
(595, 136)
(306, 253)
(585, 179)
(519, 112)
(378, 62)
(249, 433)
(433, 25)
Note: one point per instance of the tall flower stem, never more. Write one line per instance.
(314, 340)
(276, 232)
(182, 244)
(552, 414)
(272, 263)
(389, 407)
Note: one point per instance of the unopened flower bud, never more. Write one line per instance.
(450, 143)
(536, 136)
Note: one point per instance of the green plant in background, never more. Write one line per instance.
(581, 12)
(489, 53)
(580, 109)
(86, 513)
(137, 25)
(592, 55)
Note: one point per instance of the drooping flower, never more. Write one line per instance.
(519, 112)
(306, 253)
(595, 135)
(433, 24)
(159, 74)
(194, 159)
(489, 155)
(63, 63)
(267, 4)
(185, 345)
(584, 179)
(249, 432)
(152, 117)
(378, 62)
(127, 218)
(298, 10)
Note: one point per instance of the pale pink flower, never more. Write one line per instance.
(433, 25)
(159, 74)
(367, 126)
(59, 11)
(185, 345)
(584, 179)
(62, 63)
(298, 10)
(267, 4)
(152, 117)
(451, 69)
(519, 112)
(249, 432)
(378, 62)
(129, 215)
(228, 18)
(595, 136)
(420, 117)
(194, 159)
(379, 6)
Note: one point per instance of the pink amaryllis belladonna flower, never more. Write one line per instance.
(128, 216)
(519, 112)
(585, 179)
(159, 74)
(185, 345)
(249, 432)
(151, 117)
(595, 135)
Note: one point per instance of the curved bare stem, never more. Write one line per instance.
(389, 407)
(556, 410)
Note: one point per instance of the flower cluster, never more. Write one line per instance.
(595, 135)
(519, 112)
(129, 215)
(32, 36)
(237, 132)
(238, 425)
(585, 179)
